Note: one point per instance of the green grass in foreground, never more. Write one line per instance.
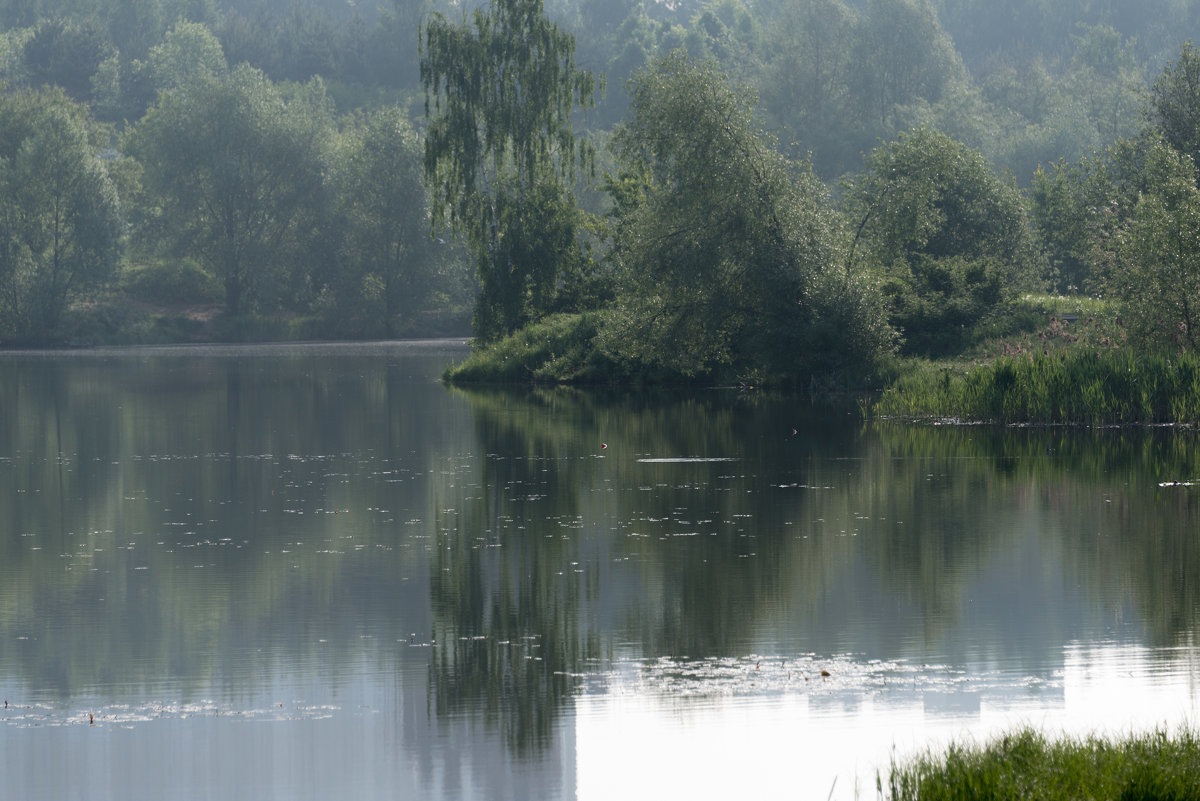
(1097, 387)
(1026, 765)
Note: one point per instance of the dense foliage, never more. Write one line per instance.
(913, 168)
(728, 254)
(951, 237)
(59, 211)
(234, 175)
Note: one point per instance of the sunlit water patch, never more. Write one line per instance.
(829, 728)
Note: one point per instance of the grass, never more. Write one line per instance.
(559, 349)
(1026, 765)
(1074, 367)
(1047, 324)
(537, 352)
(1106, 387)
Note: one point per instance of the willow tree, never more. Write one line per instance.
(501, 154)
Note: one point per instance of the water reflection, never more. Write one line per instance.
(320, 557)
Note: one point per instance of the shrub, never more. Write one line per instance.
(175, 283)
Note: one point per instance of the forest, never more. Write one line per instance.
(766, 191)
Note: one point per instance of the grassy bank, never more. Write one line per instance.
(560, 349)
(1050, 360)
(1044, 360)
(1027, 765)
(1107, 387)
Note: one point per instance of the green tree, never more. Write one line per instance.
(1105, 75)
(1156, 273)
(952, 237)
(386, 269)
(1174, 110)
(632, 44)
(728, 32)
(188, 51)
(236, 173)
(393, 46)
(136, 25)
(805, 86)
(1062, 223)
(500, 147)
(59, 214)
(730, 258)
(1078, 208)
(67, 54)
(902, 55)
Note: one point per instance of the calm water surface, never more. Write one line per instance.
(313, 572)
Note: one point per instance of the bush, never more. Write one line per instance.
(179, 283)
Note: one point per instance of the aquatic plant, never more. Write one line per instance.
(1028, 765)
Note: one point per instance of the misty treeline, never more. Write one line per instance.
(770, 188)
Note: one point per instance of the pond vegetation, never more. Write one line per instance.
(1028, 765)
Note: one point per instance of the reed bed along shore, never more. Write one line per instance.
(1026, 765)
(1088, 387)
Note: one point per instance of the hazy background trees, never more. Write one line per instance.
(235, 174)
(936, 158)
(59, 212)
(385, 273)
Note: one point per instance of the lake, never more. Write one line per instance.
(315, 572)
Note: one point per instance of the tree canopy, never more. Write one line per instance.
(387, 260)
(1157, 254)
(727, 252)
(237, 174)
(60, 223)
(950, 234)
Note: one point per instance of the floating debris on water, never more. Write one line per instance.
(838, 676)
(687, 459)
(40, 715)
